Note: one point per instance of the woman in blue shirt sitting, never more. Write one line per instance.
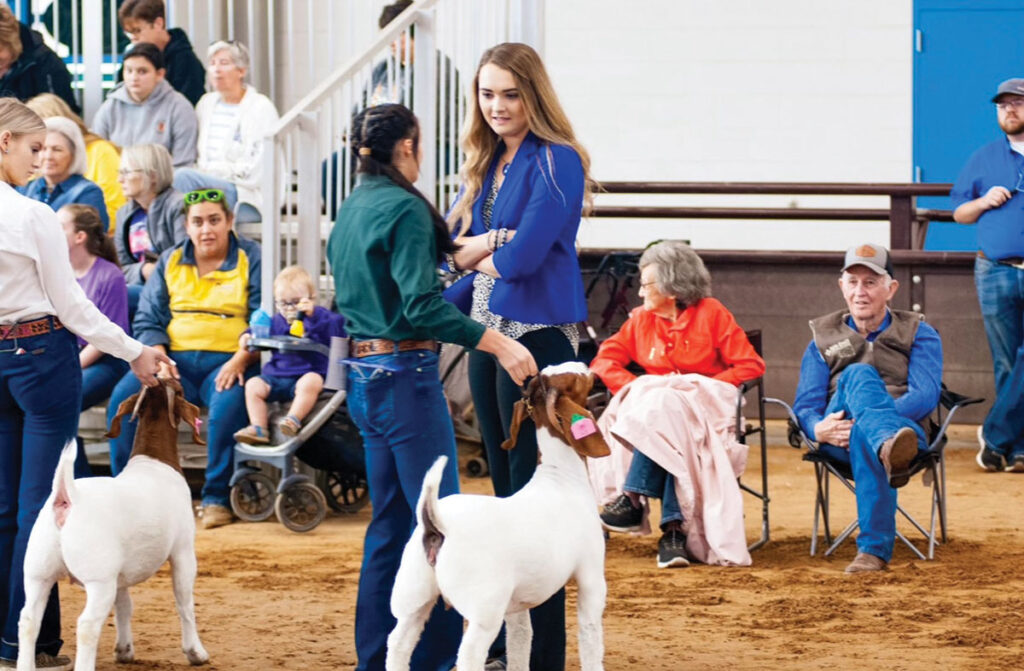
(525, 183)
(61, 169)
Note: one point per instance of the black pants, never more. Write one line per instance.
(494, 394)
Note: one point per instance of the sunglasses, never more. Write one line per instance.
(208, 195)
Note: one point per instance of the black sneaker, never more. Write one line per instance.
(672, 550)
(987, 458)
(621, 515)
(1015, 464)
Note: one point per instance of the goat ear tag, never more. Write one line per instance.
(582, 427)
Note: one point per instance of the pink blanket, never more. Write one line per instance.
(686, 424)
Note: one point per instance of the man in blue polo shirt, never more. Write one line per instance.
(990, 192)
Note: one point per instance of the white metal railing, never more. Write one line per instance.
(425, 59)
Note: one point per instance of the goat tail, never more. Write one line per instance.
(426, 511)
(64, 483)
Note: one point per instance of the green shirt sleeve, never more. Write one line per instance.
(414, 271)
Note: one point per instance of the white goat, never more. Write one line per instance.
(494, 558)
(111, 533)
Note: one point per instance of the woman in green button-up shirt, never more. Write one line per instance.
(384, 251)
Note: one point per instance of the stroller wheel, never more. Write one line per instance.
(346, 491)
(301, 507)
(252, 497)
(476, 467)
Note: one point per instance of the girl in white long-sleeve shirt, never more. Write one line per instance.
(42, 308)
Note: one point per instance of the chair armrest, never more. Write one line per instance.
(811, 445)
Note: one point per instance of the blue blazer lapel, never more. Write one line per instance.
(522, 165)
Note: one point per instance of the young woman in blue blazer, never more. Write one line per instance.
(525, 184)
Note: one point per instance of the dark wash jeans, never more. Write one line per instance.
(40, 400)
(494, 394)
(398, 404)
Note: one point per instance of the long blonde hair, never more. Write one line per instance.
(48, 105)
(544, 115)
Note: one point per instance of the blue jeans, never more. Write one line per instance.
(648, 478)
(99, 380)
(494, 395)
(40, 400)
(403, 417)
(860, 392)
(198, 370)
(1001, 298)
(190, 179)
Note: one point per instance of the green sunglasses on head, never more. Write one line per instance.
(198, 196)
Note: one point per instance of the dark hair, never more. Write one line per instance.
(391, 12)
(150, 52)
(97, 242)
(223, 202)
(142, 10)
(378, 129)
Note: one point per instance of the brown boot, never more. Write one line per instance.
(866, 562)
(897, 454)
(213, 516)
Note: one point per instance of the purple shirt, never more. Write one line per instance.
(319, 327)
(105, 286)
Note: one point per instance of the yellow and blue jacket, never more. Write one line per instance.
(184, 312)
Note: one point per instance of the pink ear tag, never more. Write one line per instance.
(581, 427)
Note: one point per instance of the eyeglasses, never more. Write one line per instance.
(209, 195)
(125, 172)
(1008, 103)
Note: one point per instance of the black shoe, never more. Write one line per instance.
(672, 550)
(621, 515)
(1015, 464)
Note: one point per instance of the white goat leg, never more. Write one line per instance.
(475, 643)
(124, 648)
(183, 576)
(589, 608)
(99, 600)
(518, 636)
(31, 618)
(402, 639)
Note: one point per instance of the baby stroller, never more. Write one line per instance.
(328, 441)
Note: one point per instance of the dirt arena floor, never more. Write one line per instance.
(269, 598)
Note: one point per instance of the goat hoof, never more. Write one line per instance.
(124, 654)
(197, 656)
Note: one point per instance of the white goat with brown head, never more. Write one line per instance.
(111, 533)
(493, 559)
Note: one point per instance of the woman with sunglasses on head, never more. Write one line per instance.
(195, 307)
(384, 252)
(525, 182)
(42, 309)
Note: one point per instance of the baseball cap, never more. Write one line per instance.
(1010, 86)
(875, 257)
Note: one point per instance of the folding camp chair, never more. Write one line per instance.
(930, 461)
(744, 430)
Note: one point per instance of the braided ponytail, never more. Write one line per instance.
(375, 132)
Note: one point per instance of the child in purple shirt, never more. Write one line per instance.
(94, 261)
(290, 375)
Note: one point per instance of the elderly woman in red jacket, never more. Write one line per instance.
(678, 329)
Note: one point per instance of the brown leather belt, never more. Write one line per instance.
(376, 346)
(1015, 261)
(29, 329)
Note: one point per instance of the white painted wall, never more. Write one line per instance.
(737, 90)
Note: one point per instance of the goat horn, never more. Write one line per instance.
(549, 404)
(170, 407)
(138, 403)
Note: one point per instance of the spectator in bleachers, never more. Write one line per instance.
(27, 66)
(94, 263)
(61, 170)
(146, 21)
(152, 220)
(145, 109)
(234, 118)
(212, 281)
(101, 156)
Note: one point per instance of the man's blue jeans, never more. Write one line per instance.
(198, 370)
(861, 394)
(648, 478)
(398, 404)
(1001, 298)
(40, 400)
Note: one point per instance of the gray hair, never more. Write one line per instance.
(238, 51)
(679, 272)
(154, 161)
(69, 129)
